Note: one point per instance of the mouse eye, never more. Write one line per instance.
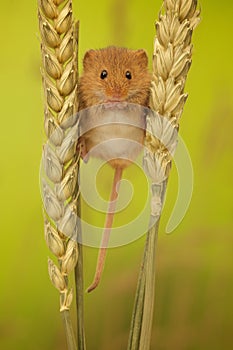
(103, 74)
(128, 75)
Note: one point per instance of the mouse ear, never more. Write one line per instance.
(142, 56)
(88, 57)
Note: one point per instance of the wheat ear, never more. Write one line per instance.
(59, 48)
(171, 63)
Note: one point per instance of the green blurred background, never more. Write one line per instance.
(194, 303)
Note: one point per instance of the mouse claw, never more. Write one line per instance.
(81, 147)
(85, 158)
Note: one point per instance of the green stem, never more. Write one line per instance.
(70, 337)
(141, 323)
(148, 307)
(142, 317)
(79, 300)
(79, 286)
(135, 329)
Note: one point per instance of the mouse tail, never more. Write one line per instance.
(107, 229)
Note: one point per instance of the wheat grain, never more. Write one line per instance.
(59, 50)
(171, 62)
(59, 73)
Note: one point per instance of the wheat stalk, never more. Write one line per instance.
(171, 63)
(59, 48)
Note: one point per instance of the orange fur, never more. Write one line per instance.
(116, 61)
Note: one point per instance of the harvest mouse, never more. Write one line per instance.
(116, 81)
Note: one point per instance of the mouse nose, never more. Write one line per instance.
(116, 97)
(116, 93)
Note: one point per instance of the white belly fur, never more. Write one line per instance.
(115, 135)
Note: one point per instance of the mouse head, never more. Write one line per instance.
(114, 74)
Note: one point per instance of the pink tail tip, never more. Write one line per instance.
(93, 286)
